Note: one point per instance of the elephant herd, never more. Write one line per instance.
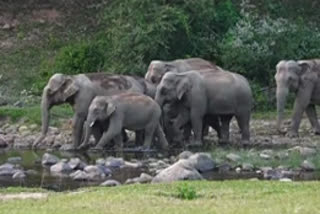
(175, 100)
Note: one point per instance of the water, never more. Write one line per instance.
(31, 160)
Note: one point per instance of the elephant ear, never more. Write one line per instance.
(55, 83)
(304, 66)
(169, 68)
(110, 109)
(182, 87)
(71, 89)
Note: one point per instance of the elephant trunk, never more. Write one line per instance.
(159, 99)
(45, 117)
(282, 93)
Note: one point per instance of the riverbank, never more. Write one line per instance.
(205, 197)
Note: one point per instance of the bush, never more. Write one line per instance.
(186, 192)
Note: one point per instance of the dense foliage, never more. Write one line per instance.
(248, 37)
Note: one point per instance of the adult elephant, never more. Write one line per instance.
(224, 94)
(79, 90)
(158, 68)
(302, 78)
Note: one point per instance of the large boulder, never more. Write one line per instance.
(7, 169)
(49, 159)
(202, 162)
(60, 168)
(76, 163)
(94, 172)
(113, 162)
(79, 176)
(143, 178)
(181, 170)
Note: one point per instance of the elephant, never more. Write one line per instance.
(302, 78)
(177, 123)
(158, 68)
(224, 94)
(128, 110)
(79, 90)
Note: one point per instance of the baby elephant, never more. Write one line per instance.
(126, 110)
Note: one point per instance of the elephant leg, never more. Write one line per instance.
(115, 128)
(225, 128)
(244, 125)
(118, 140)
(197, 122)
(77, 129)
(163, 143)
(125, 137)
(148, 135)
(312, 115)
(300, 105)
(139, 137)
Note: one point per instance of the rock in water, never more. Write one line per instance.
(60, 167)
(48, 159)
(181, 170)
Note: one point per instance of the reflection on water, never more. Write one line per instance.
(31, 160)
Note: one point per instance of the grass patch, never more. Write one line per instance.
(186, 191)
(33, 114)
(217, 197)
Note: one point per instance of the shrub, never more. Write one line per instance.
(186, 192)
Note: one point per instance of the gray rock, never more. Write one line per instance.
(304, 151)
(308, 166)
(273, 174)
(265, 156)
(76, 163)
(285, 180)
(110, 183)
(202, 162)
(181, 170)
(23, 129)
(233, 157)
(49, 159)
(7, 169)
(132, 165)
(100, 161)
(247, 167)
(184, 155)
(224, 167)
(114, 162)
(3, 142)
(105, 170)
(79, 176)
(94, 172)
(67, 147)
(18, 175)
(31, 172)
(60, 167)
(14, 160)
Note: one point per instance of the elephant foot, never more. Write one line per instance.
(292, 134)
(83, 147)
(98, 148)
(196, 143)
(245, 143)
(223, 141)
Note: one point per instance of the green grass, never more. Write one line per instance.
(214, 197)
(293, 160)
(33, 114)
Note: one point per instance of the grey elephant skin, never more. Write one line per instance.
(174, 114)
(79, 90)
(209, 93)
(132, 111)
(302, 78)
(158, 68)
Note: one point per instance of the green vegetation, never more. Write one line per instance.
(33, 114)
(216, 197)
(248, 37)
(186, 191)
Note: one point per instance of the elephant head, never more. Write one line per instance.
(288, 78)
(172, 88)
(58, 90)
(157, 69)
(100, 110)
